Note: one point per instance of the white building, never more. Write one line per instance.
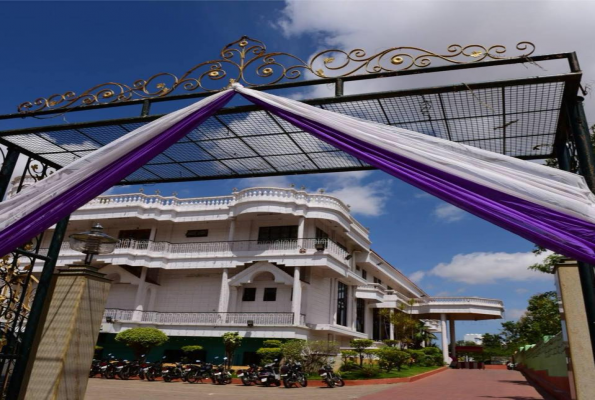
(477, 338)
(267, 262)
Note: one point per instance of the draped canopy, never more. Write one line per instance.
(550, 207)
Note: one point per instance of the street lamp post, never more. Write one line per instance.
(92, 242)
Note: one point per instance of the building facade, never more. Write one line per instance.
(266, 262)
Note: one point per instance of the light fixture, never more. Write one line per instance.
(319, 246)
(109, 320)
(92, 242)
(348, 257)
(250, 323)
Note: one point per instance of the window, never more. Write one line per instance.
(249, 294)
(197, 233)
(376, 280)
(360, 319)
(364, 274)
(389, 288)
(342, 304)
(320, 234)
(270, 294)
(135, 234)
(272, 233)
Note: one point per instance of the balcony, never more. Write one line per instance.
(462, 308)
(238, 319)
(135, 252)
(372, 291)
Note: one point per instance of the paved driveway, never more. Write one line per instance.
(448, 385)
(103, 389)
(465, 384)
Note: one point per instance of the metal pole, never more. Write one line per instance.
(10, 162)
(586, 160)
(33, 331)
(339, 87)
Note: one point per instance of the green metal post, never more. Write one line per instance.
(586, 160)
(33, 331)
(10, 162)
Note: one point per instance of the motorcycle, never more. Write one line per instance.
(171, 372)
(95, 368)
(293, 375)
(220, 375)
(330, 377)
(269, 374)
(153, 370)
(131, 369)
(510, 366)
(194, 373)
(107, 367)
(249, 376)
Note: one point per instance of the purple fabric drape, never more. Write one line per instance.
(554, 230)
(63, 205)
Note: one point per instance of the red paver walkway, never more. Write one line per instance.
(464, 384)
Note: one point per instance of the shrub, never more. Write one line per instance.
(293, 350)
(431, 350)
(349, 366)
(391, 357)
(391, 342)
(359, 345)
(271, 343)
(191, 353)
(142, 340)
(348, 354)
(191, 348)
(437, 359)
(416, 356)
(269, 354)
(317, 353)
(369, 371)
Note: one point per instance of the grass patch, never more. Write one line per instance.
(403, 373)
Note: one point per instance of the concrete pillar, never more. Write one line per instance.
(224, 292)
(575, 331)
(296, 301)
(301, 227)
(453, 338)
(232, 230)
(392, 327)
(444, 335)
(352, 307)
(70, 328)
(139, 299)
(233, 299)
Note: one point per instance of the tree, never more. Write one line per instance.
(231, 341)
(293, 350)
(491, 340)
(391, 357)
(542, 317)
(191, 352)
(360, 345)
(317, 353)
(270, 352)
(422, 335)
(142, 340)
(406, 327)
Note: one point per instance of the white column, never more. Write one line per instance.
(444, 335)
(392, 327)
(301, 227)
(233, 299)
(232, 229)
(296, 301)
(352, 307)
(453, 338)
(139, 299)
(224, 292)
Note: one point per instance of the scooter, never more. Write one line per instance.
(269, 374)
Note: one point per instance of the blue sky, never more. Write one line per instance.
(54, 47)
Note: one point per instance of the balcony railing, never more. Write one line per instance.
(203, 318)
(458, 300)
(221, 249)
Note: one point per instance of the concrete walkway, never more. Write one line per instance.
(464, 384)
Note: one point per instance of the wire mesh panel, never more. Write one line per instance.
(519, 120)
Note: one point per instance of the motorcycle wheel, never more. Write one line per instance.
(330, 383)
(91, 374)
(228, 380)
(267, 383)
(340, 382)
(192, 377)
(246, 381)
(150, 376)
(109, 374)
(166, 378)
(124, 375)
(303, 381)
(287, 383)
(277, 383)
(141, 374)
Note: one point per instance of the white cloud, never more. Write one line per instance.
(514, 313)
(521, 290)
(378, 25)
(266, 181)
(478, 268)
(417, 276)
(449, 213)
(366, 199)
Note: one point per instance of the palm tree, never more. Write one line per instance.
(422, 334)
